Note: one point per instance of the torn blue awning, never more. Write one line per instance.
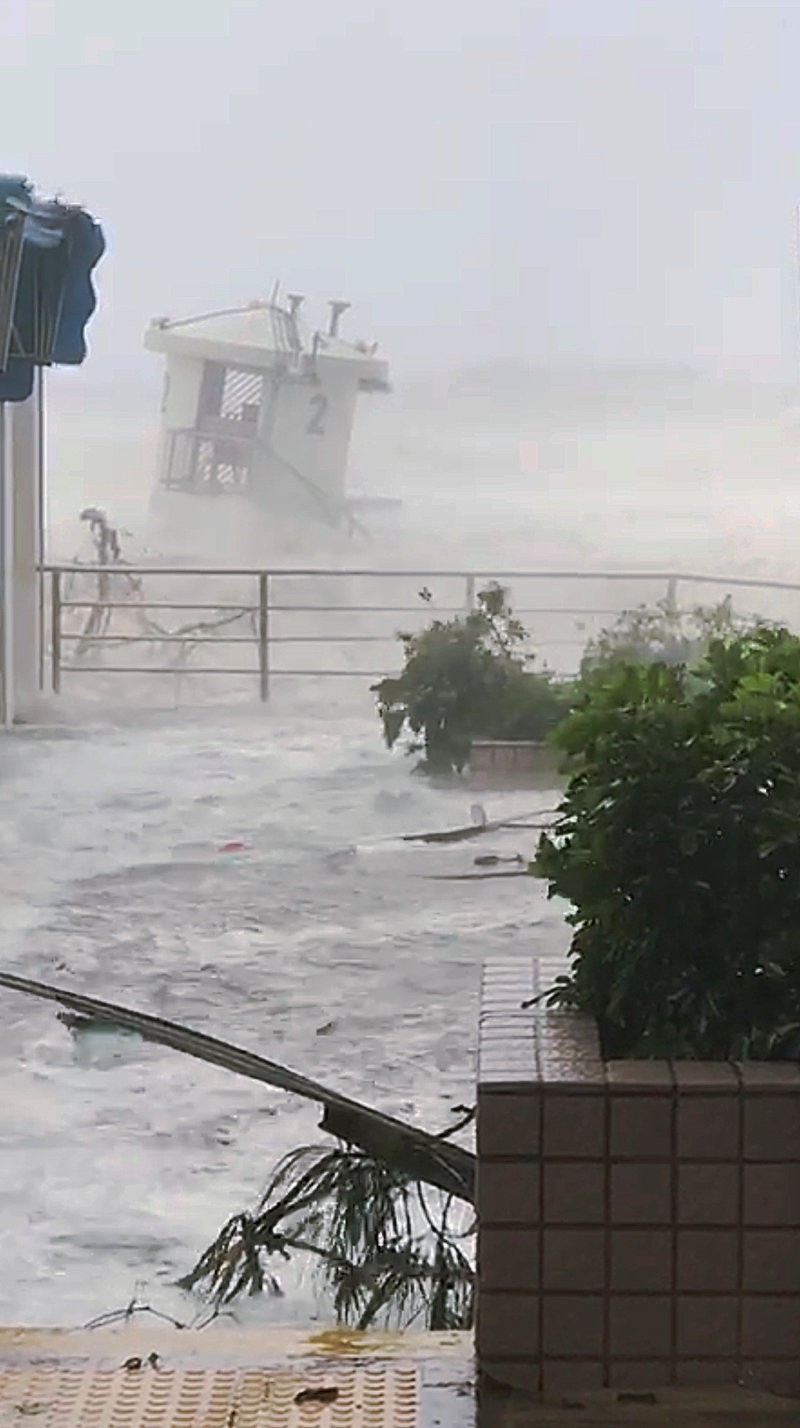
(48, 252)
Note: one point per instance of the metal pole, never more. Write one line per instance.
(40, 514)
(263, 635)
(672, 595)
(6, 571)
(797, 277)
(470, 594)
(55, 632)
(5, 613)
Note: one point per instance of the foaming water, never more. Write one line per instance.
(315, 943)
(124, 1158)
(483, 484)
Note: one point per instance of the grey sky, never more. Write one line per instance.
(556, 178)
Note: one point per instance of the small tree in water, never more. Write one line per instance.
(468, 678)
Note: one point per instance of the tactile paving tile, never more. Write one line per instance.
(55, 1396)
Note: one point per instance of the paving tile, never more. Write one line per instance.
(507, 1325)
(635, 1374)
(770, 1327)
(571, 1376)
(708, 1194)
(640, 1326)
(707, 1326)
(641, 1126)
(772, 1262)
(572, 1326)
(641, 1261)
(573, 1125)
(709, 1127)
(574, 1192)
(640, 1194)
(573, 1259)
(508, 1124)
(508, 1192)
(508, 1259)
(708, 1261)
(772, 1127)
(772, 1195)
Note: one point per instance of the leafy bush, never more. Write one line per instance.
(464, 679)
(678, 845)
(661, 633)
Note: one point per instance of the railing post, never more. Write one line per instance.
(55, 631)
(469, 602)
(672, 596)
(263, 635)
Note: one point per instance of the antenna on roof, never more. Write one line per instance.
(337, 308)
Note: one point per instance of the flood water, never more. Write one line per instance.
(317, 945)
(325, 942)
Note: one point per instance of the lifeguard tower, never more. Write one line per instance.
(256, 418)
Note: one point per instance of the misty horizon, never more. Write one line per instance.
(607, 183)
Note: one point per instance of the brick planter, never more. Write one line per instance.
(512, 763)
(638, 1222)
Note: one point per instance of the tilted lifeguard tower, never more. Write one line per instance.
(257, 413)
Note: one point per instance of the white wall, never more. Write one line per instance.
(183, 376)
(309, 426)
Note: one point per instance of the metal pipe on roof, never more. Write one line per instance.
(337, 309)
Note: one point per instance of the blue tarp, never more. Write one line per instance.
(48, 252)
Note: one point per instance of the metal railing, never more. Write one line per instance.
(89, 607)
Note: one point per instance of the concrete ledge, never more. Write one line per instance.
(639, 1222)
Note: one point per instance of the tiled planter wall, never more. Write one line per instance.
(639, 1222)
(512, 764)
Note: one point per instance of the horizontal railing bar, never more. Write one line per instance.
(199, 669)
(277, 572)
(151, 669)
(369, 609)
(155, 605)
(329, 639)
(247, 640)
(161, 639)
(339, 673)
(432, 609)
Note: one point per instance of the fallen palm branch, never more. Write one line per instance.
(411, 1152)
(480, 825)
(460, 835)
(451, 835)
(382, 1251)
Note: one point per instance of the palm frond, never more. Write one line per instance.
(388, 1250)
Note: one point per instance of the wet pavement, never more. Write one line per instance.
(140, 1375)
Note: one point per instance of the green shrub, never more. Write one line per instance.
(465, 679)
(678, 846)
(661, 633)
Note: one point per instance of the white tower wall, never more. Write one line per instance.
(182, 383)
(308, 426)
